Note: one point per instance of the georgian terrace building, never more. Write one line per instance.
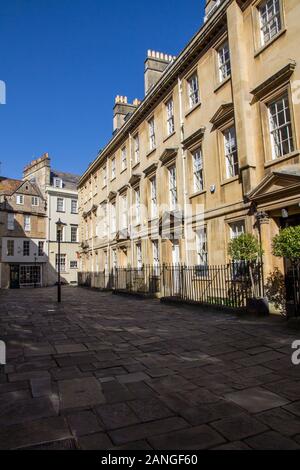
(214, 142)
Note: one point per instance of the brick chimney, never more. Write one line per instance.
(155, 65)
(38, 171)
(122, 109)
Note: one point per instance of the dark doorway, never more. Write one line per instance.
(14, 277)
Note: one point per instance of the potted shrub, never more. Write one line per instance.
(287, 245)
(246, 248)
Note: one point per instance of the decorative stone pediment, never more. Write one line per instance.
(94, 208)
(122, 235)
(223, 114)
(278, 185)
(135, 179)
(112, 195)
(168, 155)
(123, 189)
(279, 78)
(151, 169)
(194, 139)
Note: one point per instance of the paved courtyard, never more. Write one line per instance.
(109, 372)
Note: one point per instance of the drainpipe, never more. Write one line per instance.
(184, 169)
(131, 200)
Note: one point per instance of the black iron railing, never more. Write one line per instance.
(226, 285)
(293, 290)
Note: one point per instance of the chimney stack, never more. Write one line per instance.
(122, 109)
(155, 65)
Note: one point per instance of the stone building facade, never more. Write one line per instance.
(60, 192)
(23, 246)
(212, 150)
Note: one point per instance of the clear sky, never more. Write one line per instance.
(64, 61)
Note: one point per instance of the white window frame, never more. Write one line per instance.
(27, 223)
(62, 231)
(10, 221)
(62, 261)
(201, 246)
(170, 117)
(193, 90)
(155, 255)
(153, 187)
(74, 227)
(113, 168)
(124, 159)
(137, 193)
(35, 201)
(10, 248)
(58, 201)
(237, 228)
(231, 152)
(74, 202)
(124, 212)
(113, 218)
(152, 139)
(198, 180)
(20, 199)
(224, 63)
(139, 256)
(136, 148)
(41, 248)
(73, 264)
(270, 20)
(277, 128)
(58, 183)
(173, 187)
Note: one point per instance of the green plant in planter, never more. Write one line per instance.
(287, 244)
(247, 248)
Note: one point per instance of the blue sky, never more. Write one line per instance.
(64, 61)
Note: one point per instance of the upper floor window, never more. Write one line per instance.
(124, 215)
(231, 155)
(198, 170)
(113, 217)
(123, 159)
(137, 206)
(237, 229)
(281, 127)
(193, 89)
(173, 187)
(104, 173)
(26, 248)
(153, 197)
(58, 183)
(103, 229)
(10, 221)
(74, 206)
(35, 201)
(201, 247)
(170, 117)
(41, 249)
(95, 185)
(136, 148)
(60, 234)
(10, 247)
(74, 234)
(152, 140)
(113, 168)
(20, 199)
(60, 204)
(224, 61)
(27, 223)
(270, 19)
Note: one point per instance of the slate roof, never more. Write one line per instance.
(70, 181)
(8, 185)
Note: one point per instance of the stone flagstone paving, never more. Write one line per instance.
(114, 372)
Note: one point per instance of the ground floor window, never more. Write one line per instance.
(237, 229)
(62, 263)
(73, 264)
(30, 276)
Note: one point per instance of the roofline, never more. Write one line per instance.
(170, 74)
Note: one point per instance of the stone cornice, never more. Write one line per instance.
(151, 169)
(200, 43)
(223, 114)
(193, 139)
(168, 155)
